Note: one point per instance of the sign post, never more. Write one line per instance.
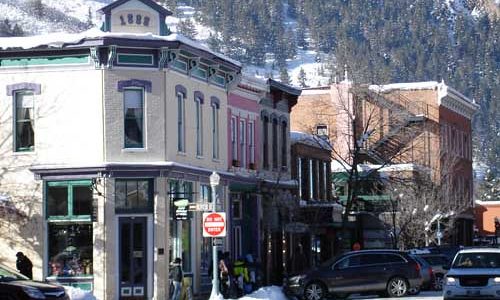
(214, 225)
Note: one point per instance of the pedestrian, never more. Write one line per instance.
(252, 274)
(24, 265)
(240, 276)
(176, 276)
(224, 276)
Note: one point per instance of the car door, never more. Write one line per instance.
(345, 274)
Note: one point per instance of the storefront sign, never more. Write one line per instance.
(204, 206)
(181, 209)
(214, 224)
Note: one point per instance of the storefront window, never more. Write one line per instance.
(70, 250)
(181, 230)
(69, 236)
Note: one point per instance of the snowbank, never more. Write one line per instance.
(78, 294)
(267, 292)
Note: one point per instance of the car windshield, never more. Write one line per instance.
(477, 260)
(7, 274)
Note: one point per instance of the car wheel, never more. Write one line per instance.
(397, 287)
(314, 291)
(438, 282)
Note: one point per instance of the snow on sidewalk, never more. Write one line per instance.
(79, 294)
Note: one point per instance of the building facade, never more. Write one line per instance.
(106, 134)
(427, 124)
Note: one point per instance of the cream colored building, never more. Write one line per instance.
(101, 133)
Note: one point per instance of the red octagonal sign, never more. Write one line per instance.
(214, 224)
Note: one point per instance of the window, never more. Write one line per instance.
(234, 148)
(199, 127)
(70, 245)
(133, 111)
(242, 143)
(299, 176)
(325, 180)
(205, 194)
(275, 144)
(237, 209)
(311, 180)
(133, 195)
(265, 136)
(251, 143)
(349, 262)
(322, 130)
(24, 121)
(181, 231)
(181, 130)
(215, 130)
(284, 148)
(69, 200)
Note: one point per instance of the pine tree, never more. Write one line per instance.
(186, 28)
(490, 188)
(89, 23)
(284, 77)
(37, 8)
(302, 78)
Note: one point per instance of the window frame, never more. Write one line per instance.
(234, 134)
(215, 131)
(141, 210)
(265, 142)
(143, 122)
(181, 122)
(251, 142)
(69, 184)
(242, 143)
(284, 148)
(199, 125)
(16, 93)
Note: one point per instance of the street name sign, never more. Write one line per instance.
(214, 224)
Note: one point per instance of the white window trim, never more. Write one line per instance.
(181, 123)
(199, 127)
(144, 135)
(234, 130)
(299, 176)
(251, 142)
(311, 180)
(215, 132)
(242, 143)
(14, 129)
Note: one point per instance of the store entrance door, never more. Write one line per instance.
(133, 258)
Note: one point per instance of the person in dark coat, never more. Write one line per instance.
(24, 265)
(176, 276)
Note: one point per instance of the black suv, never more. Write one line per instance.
(387, 272)
(14, 286)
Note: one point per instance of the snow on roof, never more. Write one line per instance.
(57, 40)
(427, 85)
(337, 167)
(309, 139)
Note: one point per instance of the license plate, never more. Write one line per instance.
(474, 293)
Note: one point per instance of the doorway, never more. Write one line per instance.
(133, 258)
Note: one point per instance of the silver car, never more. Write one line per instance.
(474, 274)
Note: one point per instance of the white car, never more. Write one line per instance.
(474, 274)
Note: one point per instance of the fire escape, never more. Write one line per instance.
(406, 121)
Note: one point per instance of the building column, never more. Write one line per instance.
(160, 233)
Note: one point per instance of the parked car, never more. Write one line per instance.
(15, 286)
(439, 264)
(474, 273)
(427, 276)
(388, 272)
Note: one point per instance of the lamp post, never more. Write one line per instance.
(214, 182)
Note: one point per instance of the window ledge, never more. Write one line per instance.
(125, 150)
(22, 153)
(200, 157)
(217, 160)
(181, 153)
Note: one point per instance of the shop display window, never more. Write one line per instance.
(69, 200)
(70, 250)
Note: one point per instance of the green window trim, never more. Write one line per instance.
(44, 60)
(136, 59)
(69, 217)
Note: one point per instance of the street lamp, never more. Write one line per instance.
(214, 182)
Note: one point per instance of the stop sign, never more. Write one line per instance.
(214, 224)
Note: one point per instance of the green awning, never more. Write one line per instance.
(242, 187)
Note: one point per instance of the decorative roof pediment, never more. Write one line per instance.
(135, 16)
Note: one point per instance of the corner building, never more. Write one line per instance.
(102, 133)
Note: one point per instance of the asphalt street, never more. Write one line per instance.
(421, 296)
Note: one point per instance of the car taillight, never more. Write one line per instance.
(417, 267)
